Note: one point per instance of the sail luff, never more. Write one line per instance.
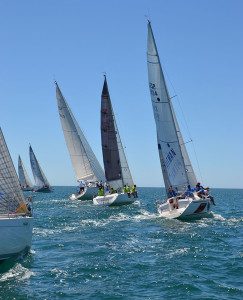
(172, 162)
(84, 161)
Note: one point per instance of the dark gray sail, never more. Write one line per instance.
(108, 137)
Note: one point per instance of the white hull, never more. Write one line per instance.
(15, 235)
(113, 199)
(188, 208)
(88, 194)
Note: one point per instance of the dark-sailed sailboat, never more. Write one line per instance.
(117, 171)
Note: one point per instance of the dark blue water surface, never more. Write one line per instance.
(81, 251)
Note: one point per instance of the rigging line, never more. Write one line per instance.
(187, 128)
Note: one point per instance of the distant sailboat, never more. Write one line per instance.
(86, 166)
(15, 221)
(39, 176)
(175, 163)
(25, 182)
(117, 171)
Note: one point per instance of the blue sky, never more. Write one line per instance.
(72, 41)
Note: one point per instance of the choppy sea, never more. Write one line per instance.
(81, 251)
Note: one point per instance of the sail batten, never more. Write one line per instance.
(84, 161)
(172, 153)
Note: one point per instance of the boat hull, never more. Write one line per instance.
(88, 194)
(113, 199)
(188, 208)
(43, 190)
(15, 236)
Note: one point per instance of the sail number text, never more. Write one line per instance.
(153, 89)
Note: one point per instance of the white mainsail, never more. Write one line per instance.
(85, 163)
(39, 176)
(12, 199)
(113, 153)
(175, 163)
(23, 175)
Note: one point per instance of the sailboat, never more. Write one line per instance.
(16, 222)
(176, 167)
(25, 182)
(117, 171)
(86, 166)
(40, 179)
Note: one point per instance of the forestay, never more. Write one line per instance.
(116, 167)
(84, 161)
(11, 196)
(39, 176)
(171, 158)
(23, 175)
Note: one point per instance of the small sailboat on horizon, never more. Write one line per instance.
(25, 182)
(117, 171)
(16, 222)
(86, 166)
(178, 174)
(40, 179)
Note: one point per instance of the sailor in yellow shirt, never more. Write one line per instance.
(134, 192)
(128, 191)
(101, 191)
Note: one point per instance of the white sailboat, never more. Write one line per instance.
(39, 176)
(116, 167)
(25, 182)
(86, 166)
(15, 221)
(175, 163)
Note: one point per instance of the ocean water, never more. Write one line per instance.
(81, 251)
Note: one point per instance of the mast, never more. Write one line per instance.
(171, 158)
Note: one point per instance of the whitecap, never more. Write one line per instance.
(177, 252)
(18, 272)
(218, 217)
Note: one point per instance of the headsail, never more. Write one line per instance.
(85, 163)
(170, 152)
(189, 169)
(39, 176)
(11, 197)
(23, 175)
(116, 166)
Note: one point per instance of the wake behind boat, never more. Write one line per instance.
(117, 171)
(179, 177)
(39, 176)
(25, 182)
(86, 166)
(16, 222)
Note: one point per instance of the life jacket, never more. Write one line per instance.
(133, 189)
(124, 189)
(101, 192)
(128, 189)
